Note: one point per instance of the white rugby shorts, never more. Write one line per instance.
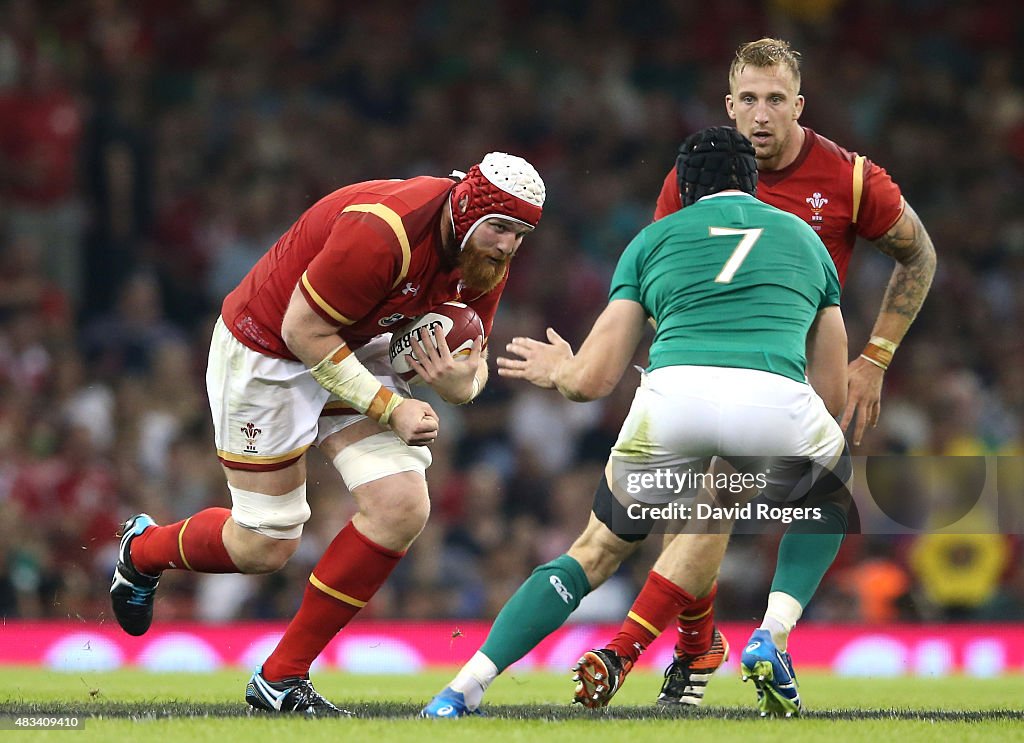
(268, 411)
(682, 416)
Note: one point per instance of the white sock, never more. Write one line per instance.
(781, 617)
(474, 678)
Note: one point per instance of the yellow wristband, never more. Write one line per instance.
(871, 360)
(384, 405)
(879, 351)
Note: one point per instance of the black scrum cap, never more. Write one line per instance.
(715, 159)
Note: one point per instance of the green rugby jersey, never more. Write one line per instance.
(730, 281)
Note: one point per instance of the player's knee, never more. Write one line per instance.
(255, 553)
(393, 510)
(387, 478)
(408, 514)
(264, 555)
(268, 528)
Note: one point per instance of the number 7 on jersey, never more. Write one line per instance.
(747, 240)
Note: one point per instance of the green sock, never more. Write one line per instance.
(806, 552)
(538, 608)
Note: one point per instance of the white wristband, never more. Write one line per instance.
(870, 360)
(472, 395)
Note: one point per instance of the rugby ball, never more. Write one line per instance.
(459, 323)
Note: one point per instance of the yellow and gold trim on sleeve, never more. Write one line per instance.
(858, 185)
(322, 303)
(350, 600)
(391, 218)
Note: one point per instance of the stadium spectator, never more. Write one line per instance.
(959, 574)
(125, 340)
(25, 286)
(39, 151)
(879, 584)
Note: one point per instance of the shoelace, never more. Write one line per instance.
(306, 697)
(140, 595)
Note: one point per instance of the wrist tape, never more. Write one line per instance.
(879, 351)
(473, 394)
(344, 376)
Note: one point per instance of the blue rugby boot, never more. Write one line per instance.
(772, 674)
(132, 593)
(448, 704)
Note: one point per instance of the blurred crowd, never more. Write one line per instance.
(151, 151)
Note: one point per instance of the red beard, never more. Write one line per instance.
(479, 272)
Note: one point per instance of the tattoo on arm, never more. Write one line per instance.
(910, 246)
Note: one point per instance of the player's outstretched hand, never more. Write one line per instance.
(415, 422)
(863, 398)
(538, 361)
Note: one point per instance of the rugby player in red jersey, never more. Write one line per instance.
(842, 195)
(299, 357)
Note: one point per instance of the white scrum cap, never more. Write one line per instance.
(501, 185)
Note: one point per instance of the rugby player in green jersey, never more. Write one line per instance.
(745, 302)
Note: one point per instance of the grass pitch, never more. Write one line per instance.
(135, 705)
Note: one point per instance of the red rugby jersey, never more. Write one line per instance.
(366, 258)
(840, 194)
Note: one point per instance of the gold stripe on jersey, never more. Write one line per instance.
(858, 185)
(395, 223)
(255, 459)
(322, 303)
(351, 601)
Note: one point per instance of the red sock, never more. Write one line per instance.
(697, 625)
(659, 601)
(193, 544)
(345, 579)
